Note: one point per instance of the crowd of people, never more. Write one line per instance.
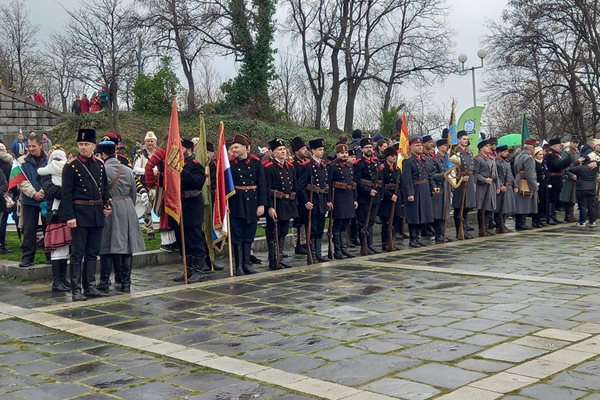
(99, 101)
(91, 201)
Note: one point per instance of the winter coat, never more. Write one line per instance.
(485, 167)
(466, 169)
(417, 182)
(121, 233)
(525, 165)
(505, 201)
(32, 185)
(567, 193)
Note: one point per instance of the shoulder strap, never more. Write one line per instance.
(113, 183)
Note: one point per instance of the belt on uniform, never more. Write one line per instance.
(191, 193)
(252, 187)
(283, 195)
(121, 197)
(391, 186)
(344, 186)
(421, 182)
(316, 189)
(466, 173)
(556, 174)
(373, 184)
(508, 185)
(88, 202)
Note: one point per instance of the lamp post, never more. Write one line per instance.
(463, 59)
(139, 35)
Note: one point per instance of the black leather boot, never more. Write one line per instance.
(188, 266)
(198, 268)
(126, 267)
(75, 273)
(281, 257)
(318, 246)
(237, 259)
(106, 266)
(117, 265)
(246, 266)
(64, 264)
(487, 218)
(273, 264)
(370, 242)
(413, 236)
(438, 226)
(422, 241)
(58, 284)
(344, 248)
(89, 280)
(337, 246)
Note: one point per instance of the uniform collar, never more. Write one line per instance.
(86, 159)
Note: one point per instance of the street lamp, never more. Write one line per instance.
(463, 59)
(139, 35)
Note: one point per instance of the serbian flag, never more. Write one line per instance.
(173, 166)
(224, 190)
(17, 175)
(403, 145)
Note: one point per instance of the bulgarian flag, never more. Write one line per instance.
(17, 175)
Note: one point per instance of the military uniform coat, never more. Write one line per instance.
(526, 204)
(85, 179)
(193, 177)
(281, 177)
(343, 204)
(505, 201)
(418, 182)
(567, 193)
(313, 173)
(367, 170)
(485, 167)
(243, 203)
(466, 168)
(390, 184)
(556, 165)
(438, 201)
(121, 233)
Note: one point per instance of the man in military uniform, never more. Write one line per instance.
(463, 198)
(568, 191)
(440, 201)
(301, 158)
(429, 156)
(342, 199)
(192, 210)
(526, 200)
(486, 178)
(366, 174)
(417, 188)
(86, 202)
(556, 165)
(391, 204)
(313, 191)
(281, 201)
(505, 199)
(247, 204)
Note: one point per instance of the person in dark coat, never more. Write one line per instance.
(464, 197)
(568, 195)
(486, 177)
(505, 199)
(313, 190)
(368, 183)
(32, 196)
(192, 210)
(556, 165)
(417, 188)
(301, 159)
(586, 170)
(541, 171)
(248, 203)
(76, 106)
(440, 201)
(6, 161)
(86, 203)
(342, 199)
(281, 200)
(390, 184)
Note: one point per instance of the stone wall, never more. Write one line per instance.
(18, 112)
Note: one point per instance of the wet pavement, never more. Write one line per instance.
(511, 316)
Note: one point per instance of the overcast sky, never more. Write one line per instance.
(467, 18)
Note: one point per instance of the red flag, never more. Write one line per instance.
(173, 165)
(403, 146)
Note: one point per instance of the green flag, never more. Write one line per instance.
(524, 130)
(202, 157)
(470, 121)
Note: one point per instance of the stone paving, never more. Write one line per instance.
(512, 316)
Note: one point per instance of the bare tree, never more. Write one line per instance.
(100, 34)
(287, 84)
(209, 82)
(19, 36)
(58, 67)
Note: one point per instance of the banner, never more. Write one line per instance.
(224, 189)
(202, 157)
(403, 146)
(470, 121)
(173, 166)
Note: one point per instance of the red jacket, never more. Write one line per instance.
(85, 105)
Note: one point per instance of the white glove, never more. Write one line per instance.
(145, 200)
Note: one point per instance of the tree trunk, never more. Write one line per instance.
(318, 112)
(352, 91)
(335, 91)
(541, 101)
(114, 106)
(63, 103)
(191, 97)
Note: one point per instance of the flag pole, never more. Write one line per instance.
(185, 277)
(229, 247)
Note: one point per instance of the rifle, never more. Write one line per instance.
(482, 227)
(390, 242)
(364, 248)
(330, 227)
(461, 228)
(446, 206)
(276, 241)
(309, 254)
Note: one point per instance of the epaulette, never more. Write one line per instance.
(381, 167)
(305, 162)
(72, 160)
(231, 158)
(253, 157)
(290, 163)
(267, 163)
(195, 161)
